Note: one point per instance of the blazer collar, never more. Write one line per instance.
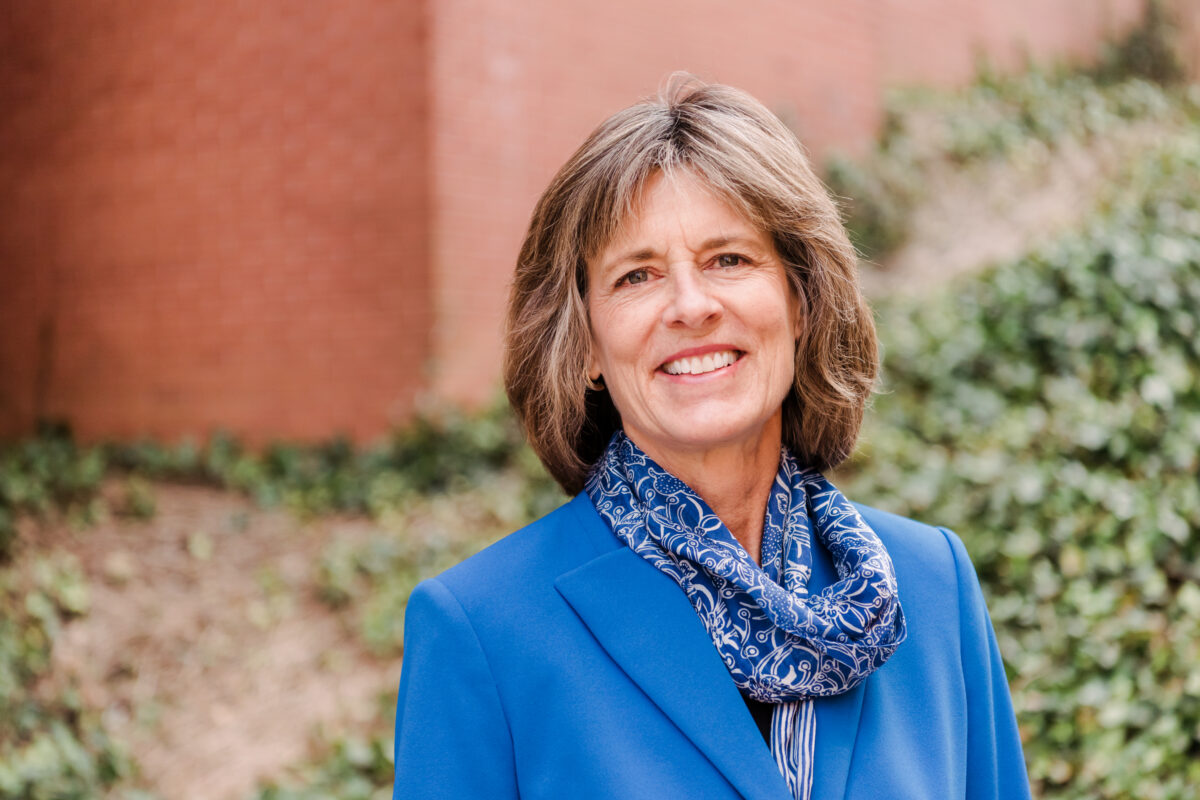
(646, 624)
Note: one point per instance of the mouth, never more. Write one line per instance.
(702, 364)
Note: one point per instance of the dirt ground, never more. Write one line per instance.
(206, 644)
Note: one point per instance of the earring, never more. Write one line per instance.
(595, 384)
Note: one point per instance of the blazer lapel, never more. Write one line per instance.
(837, 716)
(645, 623)
(837, 729)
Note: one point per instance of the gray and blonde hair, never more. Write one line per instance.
(751, 160)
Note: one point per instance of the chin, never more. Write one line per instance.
(697, 433)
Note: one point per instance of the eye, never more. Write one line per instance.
(636, 276)
(730, 260)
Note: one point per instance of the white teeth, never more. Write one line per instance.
(698, 365)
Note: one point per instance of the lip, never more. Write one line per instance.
(700, 351)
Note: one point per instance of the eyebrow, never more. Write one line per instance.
(648, 253)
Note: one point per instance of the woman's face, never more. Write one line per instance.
(693, 324)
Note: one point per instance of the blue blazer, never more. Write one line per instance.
(557, 663)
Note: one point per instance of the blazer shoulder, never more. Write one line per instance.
(917, 548)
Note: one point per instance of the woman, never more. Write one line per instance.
(687, 349)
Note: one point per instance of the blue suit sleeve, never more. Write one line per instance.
(452, 737)
(995, 763)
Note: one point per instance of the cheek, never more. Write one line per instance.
(598, 342)
(606, 348)
(617, 338)
(787, 335)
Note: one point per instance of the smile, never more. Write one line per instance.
(699, 365)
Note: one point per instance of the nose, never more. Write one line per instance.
(692, 302)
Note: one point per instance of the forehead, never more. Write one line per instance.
(677, 206)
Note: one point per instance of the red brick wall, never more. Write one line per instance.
(299, 218)
(943, 42)
(213, 214)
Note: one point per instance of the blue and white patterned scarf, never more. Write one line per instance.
(780, 644)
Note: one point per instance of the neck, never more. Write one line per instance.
(734, 480)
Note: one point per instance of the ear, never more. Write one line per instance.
(591, 366)
(799, 315)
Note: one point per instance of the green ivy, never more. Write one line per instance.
(51, 746)
(355, 768)
(374, 580)
(52, 473)
(428, 456)
(1050, 412)
(45, 473)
